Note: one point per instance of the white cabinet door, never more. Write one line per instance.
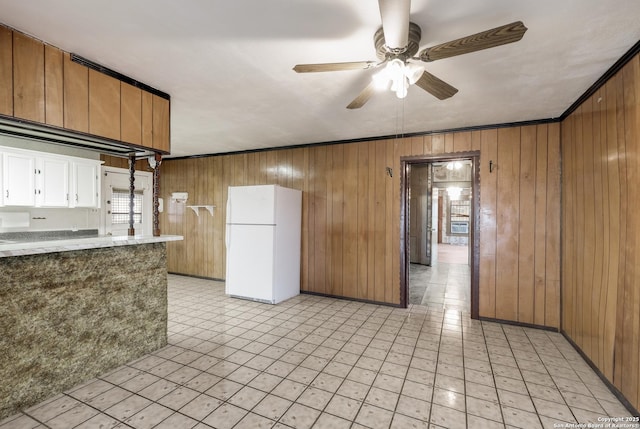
(85, 185)
(18, 179)
(52, 182)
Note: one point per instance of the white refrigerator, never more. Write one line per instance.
(263, 242)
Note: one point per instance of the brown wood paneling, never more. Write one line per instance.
(613, 228)
(336, 221)
(488, 216)
(552, 236)
(130, 114)
(28, 78)
(6, 71)
(351, 211)
(350, 228)
(462, 142)
(363, 216)
(527, 224)
(601, 229)
(508, 218)
(588, 256)
(540, 215)
(598, 230)
(76, 95)
(437, 143)
(53, 86)
(161, 128)
(321, 200)
(379, 214)
(448, 143)
(104, 105)
(389, 250)
(417, 145)
(631, 351)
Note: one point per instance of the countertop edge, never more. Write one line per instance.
(54, 246)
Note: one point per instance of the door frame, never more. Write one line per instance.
(474, 239)
(148, 198)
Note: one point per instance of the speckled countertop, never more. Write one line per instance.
(18, 247)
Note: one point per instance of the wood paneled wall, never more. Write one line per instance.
(601, 229)
(351, 215)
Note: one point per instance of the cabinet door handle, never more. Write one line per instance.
(76, 198)
(7, 193)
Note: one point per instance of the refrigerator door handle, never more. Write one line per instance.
(226, 236)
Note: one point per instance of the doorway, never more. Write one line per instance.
(115, 202)
(440, 231)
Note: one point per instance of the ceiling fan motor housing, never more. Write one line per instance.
(385, 53)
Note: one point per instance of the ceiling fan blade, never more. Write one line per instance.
(486, 39)
(395, 23)
(435, 86)
(327, 67)
(363, 97)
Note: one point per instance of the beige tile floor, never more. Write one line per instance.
(315, 362)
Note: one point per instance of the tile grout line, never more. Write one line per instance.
(493, 375)
(520, 371)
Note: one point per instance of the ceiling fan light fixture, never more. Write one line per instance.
(397, 75)
(413, 72)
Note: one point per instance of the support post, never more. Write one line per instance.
(156, 195)
(132, 188)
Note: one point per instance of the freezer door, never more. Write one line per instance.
(251, 205)
(250, 268)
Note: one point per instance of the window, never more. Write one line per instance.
(459, 215)
(120, 206)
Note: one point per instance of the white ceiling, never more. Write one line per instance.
(227, 64)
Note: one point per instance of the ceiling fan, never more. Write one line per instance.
(398, 40)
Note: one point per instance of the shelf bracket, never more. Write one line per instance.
(208, 207)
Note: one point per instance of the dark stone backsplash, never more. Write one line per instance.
(48, 235)
(70, 316)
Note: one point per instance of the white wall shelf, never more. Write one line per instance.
(196, 209)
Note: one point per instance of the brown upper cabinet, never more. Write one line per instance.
(76, 95)
(104, 105)
(53, 86)
(28, 78)
(42, 83)
(160, 124)
(147, 119)
(6, 71)
(131, 114)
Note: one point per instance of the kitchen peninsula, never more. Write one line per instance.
(75, 308)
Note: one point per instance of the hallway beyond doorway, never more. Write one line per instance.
(451, 253)
(447, 283)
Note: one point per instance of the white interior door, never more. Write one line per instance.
(115, 202)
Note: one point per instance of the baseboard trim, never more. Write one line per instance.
(521, 324)
(618, 394)
(195, 276)
(364, 301)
